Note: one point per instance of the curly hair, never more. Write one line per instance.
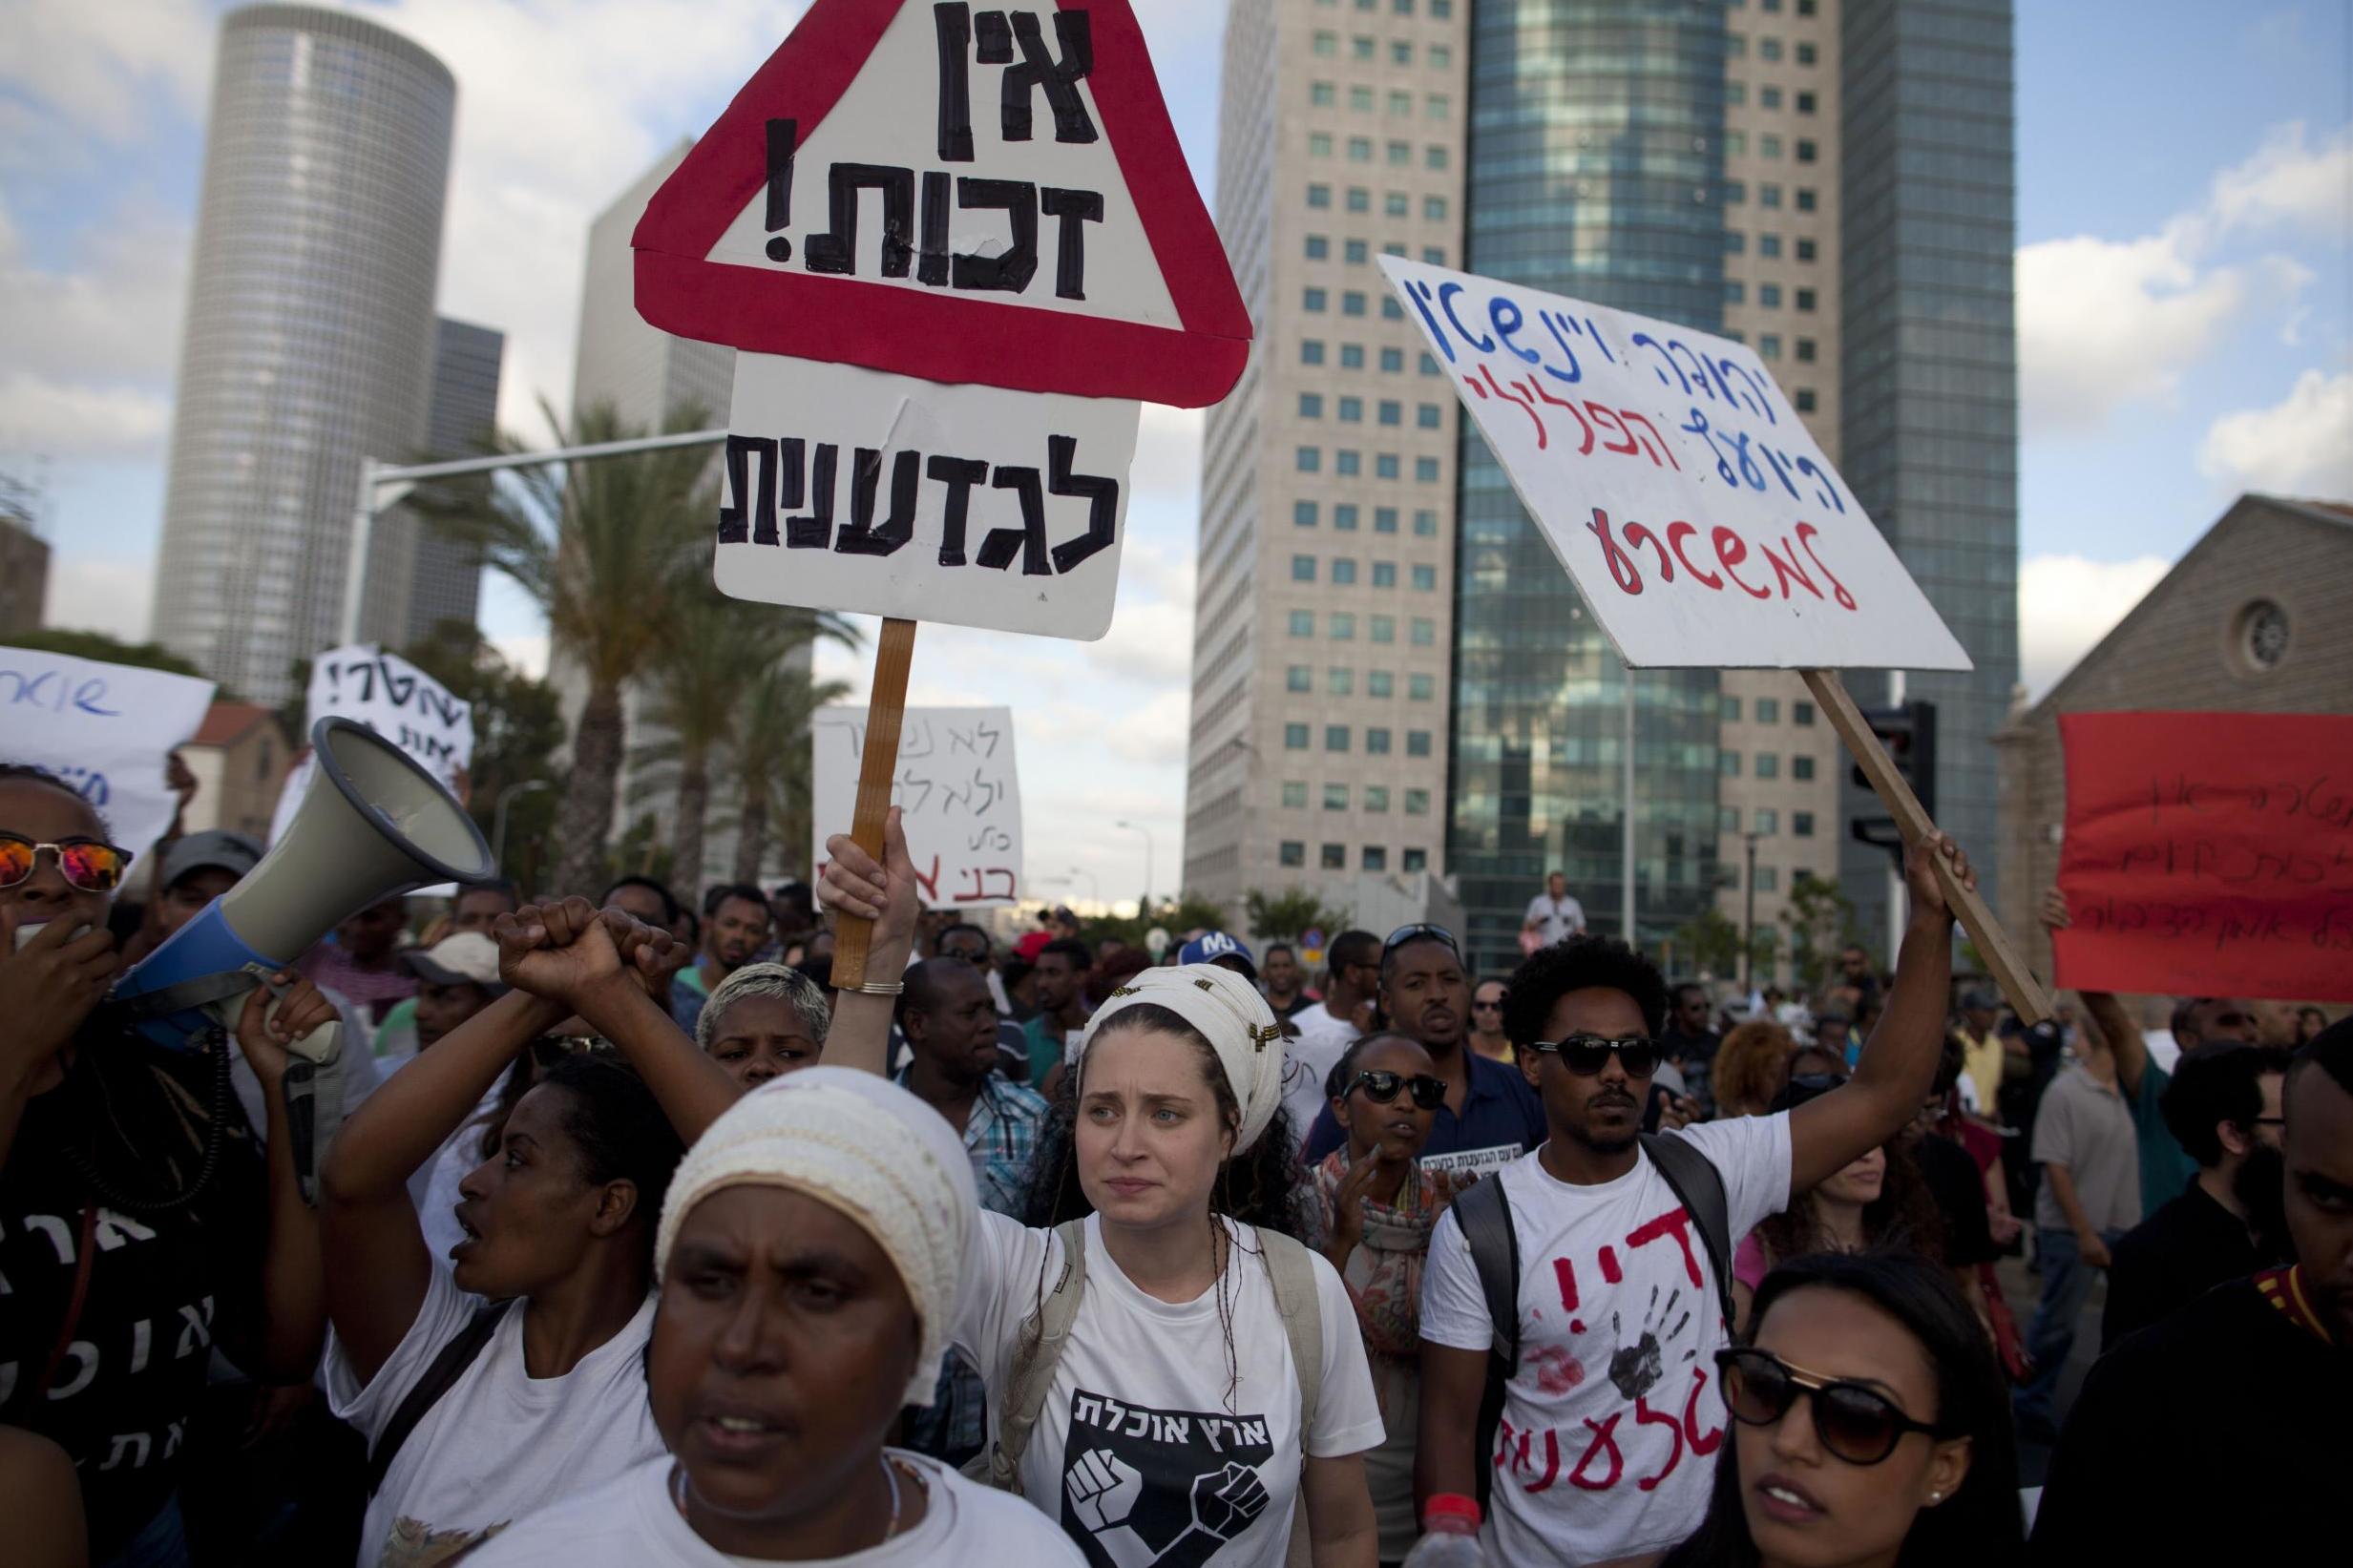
(35, 773)
(1902, 1218)
(1578, 963)
(1750, 1068)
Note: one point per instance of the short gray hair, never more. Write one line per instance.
(764, 980)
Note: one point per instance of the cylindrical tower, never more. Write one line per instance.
(310, 332)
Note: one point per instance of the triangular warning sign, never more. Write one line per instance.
(958, 194)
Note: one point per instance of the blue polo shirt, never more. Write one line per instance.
(1502, 1120)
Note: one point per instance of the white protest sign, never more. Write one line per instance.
(954, 247)
(107, 730)
(956, 788)
(1674, 481)
(397, 700)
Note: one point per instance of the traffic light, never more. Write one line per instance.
(1909, 735)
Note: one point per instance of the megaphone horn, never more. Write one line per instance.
(373, 824)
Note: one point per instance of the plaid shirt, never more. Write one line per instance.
(1000, 1139)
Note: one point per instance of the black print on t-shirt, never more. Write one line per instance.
(1160, 1489)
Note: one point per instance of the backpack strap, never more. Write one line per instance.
(1039, 1351)
(1291, 1271)
(1700, 1186)
(440, 1377)
(1484, 1213)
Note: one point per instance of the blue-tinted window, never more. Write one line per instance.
(1344, 517)
(1343, 572)
(1426, 470)
(1307, 459)
(1303, 514)
(1335, 737)
(1385, 465)
(1311, 405)
(1294, 737)
(1347, 462)
(1310, 351)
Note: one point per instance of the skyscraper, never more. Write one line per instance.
(311, 337)
(418, 578)
(644, 373)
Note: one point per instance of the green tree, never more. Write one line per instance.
(1822, 921)
(1710, 943)
(517, 725)
(106, 650)
(1176, 916)
(767, 763)
(1281, 917)
(599, 548)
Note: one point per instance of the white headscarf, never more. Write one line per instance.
(862, 1146)
(1228, 1013)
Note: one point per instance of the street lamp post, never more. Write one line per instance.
(1139, 828)
(499, 818)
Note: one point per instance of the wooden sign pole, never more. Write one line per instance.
(886, 711)
(2025, 992)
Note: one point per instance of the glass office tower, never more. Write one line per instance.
(1595, 170)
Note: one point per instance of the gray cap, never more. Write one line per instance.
(236, 853)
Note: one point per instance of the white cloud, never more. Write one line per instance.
(101, 594)
(526, 654)
(2289, 181)
(100, 68)
(89, 347)
(2066, 603)
(55, 419)
(2299, 446)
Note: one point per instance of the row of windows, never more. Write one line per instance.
(1437, 106)
(1424, 579)
(1421, 630)
(1442, 11)
(1768, 195)
(1352, 358)
(1398, 154)
(1765, 821)
(1340, 680)
(1737, 45)
(1768, 146)
(1350, 410)
(1345, 516)
(1348, 463)
(1364, 47)
(1769, 346)
(1803, 8)
(1767, 295)
(1353, 301)
(1766, 710)
(1337, 738)
(1737, 97)
(1765, 765)
(1335, 798)
(1334, 857)
(1394, 204)
(1358, 253)
(1768, 245)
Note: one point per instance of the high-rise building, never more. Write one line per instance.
(310, 341)
(1323, 617)
(417, 578)
(644, 373)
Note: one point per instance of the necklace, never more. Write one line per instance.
(890, 1473)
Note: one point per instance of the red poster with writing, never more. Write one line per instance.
(2209, 854)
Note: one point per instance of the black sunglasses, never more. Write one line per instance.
(1587, 1054)
(1380, 1086)
(1855, 1422)
(1419, 931)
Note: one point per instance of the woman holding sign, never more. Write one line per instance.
(1171, 1385)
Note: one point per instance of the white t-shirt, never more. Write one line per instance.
(633, 1524)
(1556, 919)
(1612, 1421)
(501, 1443)
(1139, 1452)
(1307, 1061)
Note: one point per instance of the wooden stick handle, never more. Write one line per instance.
(886, 711)
(2018, 982)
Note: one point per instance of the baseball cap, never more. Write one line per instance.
(468, 958)
(233, 852)
(1211, 946)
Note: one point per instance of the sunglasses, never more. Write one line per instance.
(92, 864)
(1855, 1422)
(1486, 1007)
(1587, 1054)
(1382, 1087)
(1419, 931)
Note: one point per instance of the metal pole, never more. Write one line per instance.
(355, 569)
(1092, 880)
(1625, 849)
(1139, 828)
(499, 818)
(1747, 924)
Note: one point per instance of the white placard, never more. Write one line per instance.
(957, 790)
(860, 490)
(1676, 482)
(397, 700)
(107, 730)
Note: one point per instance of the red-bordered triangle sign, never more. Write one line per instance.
(1186, 348)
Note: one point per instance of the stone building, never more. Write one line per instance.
(2257, 617)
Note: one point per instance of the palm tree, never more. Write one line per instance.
(599, 547)
(697, 686)
(771, 760)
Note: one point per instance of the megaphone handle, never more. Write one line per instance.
(886, 711)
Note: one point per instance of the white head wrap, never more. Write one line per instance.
(1229, 1014)
(858, 1143)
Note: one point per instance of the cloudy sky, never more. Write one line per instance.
(2185, 275)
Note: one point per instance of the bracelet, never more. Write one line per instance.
(876, 988)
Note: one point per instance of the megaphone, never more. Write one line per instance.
(373, 824)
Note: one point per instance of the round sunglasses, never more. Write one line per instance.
(1380, 1086)
(92, 864)
(1587, 1054)
(1855, 1421)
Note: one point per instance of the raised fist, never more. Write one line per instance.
(1103, 1489)
(1226, 1501)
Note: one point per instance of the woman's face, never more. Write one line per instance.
(762, 1038)
(1860, 1182)
(1807, 1508)
(47, 814)
(1399, 1128)
(782, 1350)
(529, 1211)
(1150, 1136)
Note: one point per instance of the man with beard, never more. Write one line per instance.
(1491, 1116)
(733, 933)
(2223, 1107)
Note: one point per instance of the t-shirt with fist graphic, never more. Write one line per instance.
(1151, 1451)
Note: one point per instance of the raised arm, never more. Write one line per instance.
(285, 1342)
(1898, 1060)
(2107, 1014)
(886, 894)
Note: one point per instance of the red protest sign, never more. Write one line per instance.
(2209, 854)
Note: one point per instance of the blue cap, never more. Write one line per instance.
(1211, 946)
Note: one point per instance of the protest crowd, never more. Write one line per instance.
(641, 1243)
